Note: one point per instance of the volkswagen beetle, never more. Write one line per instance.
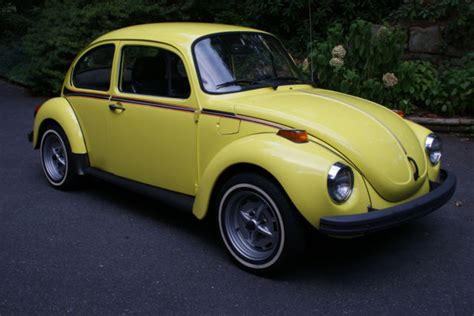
(217, 120)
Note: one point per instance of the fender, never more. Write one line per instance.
(59, 110)
(306, 186)
(421, 133)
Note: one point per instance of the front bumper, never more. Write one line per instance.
(376, 220)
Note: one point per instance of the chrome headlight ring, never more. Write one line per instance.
(340, 182)
(434, 148)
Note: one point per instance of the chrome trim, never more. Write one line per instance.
(332, 175)
(430, 139)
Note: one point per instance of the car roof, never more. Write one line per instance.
(174, 33)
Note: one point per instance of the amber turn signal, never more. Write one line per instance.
(400, 112)
(295, 135)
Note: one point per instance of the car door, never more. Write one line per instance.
(151, 122)
(88, 91)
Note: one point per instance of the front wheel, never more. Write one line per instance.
(57, 159)
(259, 225)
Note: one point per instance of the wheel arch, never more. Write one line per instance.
(42, 128)
(299, 169)
(292, 166)
(232, 170)
(59, 111)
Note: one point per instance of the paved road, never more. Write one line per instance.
(104, 250)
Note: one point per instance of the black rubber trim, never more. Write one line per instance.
(216, 112)
(377, 220)
(178, 200)
(81, 163)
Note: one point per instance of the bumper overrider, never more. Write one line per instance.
(376, 220)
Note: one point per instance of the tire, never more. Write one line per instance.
(57, 160)
(259, 225)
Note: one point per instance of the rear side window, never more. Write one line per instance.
(153, 71)
(93, 70)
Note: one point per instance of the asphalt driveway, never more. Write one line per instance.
(104, 250)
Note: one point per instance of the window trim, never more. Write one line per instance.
(87, 51)
(156, 46)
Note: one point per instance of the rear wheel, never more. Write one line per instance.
(259, 225)
(57, 159)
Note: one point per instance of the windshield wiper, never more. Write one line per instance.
(271, 82)
(286, 78)
(236, 83)
(275, 82)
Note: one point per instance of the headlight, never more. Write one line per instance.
(340, 182)
(433, 146)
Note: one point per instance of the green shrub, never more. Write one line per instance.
(38, 45)
(370, 55)
(13, 25)
(417, 85)
(458, 15)
(63, 28)
(425, 10)
(456, 94)
(373, 68)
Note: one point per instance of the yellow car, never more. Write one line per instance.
(217, 120)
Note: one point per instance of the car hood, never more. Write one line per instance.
(377, 141)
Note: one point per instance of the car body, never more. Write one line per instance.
(216, 119)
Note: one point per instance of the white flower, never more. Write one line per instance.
(305, 65)
(336, 62)
(381, 30)
(338, 52)
(389, 80)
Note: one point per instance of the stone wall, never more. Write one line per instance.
(426, 41)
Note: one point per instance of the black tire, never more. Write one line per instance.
(57, 160)
(259, 225)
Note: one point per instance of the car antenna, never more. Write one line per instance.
(310, 43)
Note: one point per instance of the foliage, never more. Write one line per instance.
(370, 54)
(40, 38)
(425, 10)
(459, 15)
(445, 91)
(460, 30)
(417, 82)
(289, 19)
(14, 23)
(63, 28)
(373, 69)
(456, 93)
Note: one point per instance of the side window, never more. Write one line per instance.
(153, 71)
(93, 70)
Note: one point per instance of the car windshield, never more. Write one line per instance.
(232, 62)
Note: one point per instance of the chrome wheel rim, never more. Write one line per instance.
(54, 157)
(251, 225)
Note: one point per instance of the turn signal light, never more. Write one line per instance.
(295, 135)
(400, 112)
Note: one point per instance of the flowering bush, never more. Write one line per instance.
(361, 62)
(336, 62)
(368, 62)
(338, 52)
(389, 80)
(455, 91)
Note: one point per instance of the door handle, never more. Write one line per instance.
(116, 108)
